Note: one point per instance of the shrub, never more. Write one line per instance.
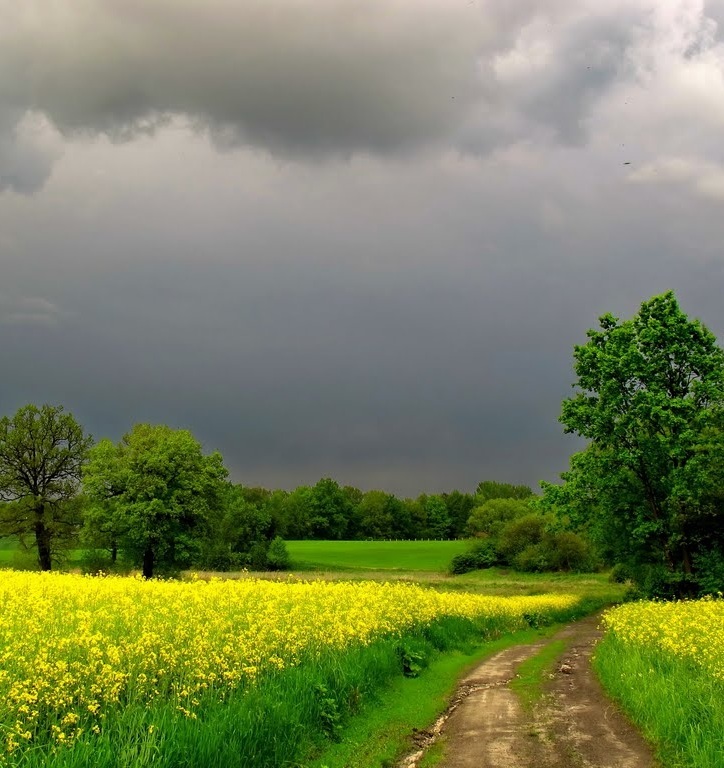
(535, 557)
(257, 557)
(277, 557)
(570, 552)
(710, 571)
(481, 555)
(520, 534)
(621, 573)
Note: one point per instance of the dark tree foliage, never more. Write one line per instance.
(375, 515)
(438, 518)
(330, 510)
(649, 486)
(459, 506)
(491, 489)
(42, 451)
(235, 533)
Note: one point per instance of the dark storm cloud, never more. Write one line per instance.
(388, 293)
(323, 77)
(415, 341)
(316, 76)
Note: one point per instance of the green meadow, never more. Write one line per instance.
(434, 556)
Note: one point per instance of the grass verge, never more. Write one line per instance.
(380, 733)
(678, 707)
(533, 673)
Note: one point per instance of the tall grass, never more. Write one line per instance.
(663, 663)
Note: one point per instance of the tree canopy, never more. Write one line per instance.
(42, 451)
(650, 400)
(154, 487)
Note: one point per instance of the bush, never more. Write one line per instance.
(534, 558)
(257, 557)
(277, 557)
(570, 552)
(490, 518)
(520, 534)
(710, 571)
(621, 573)
(481, 555)
(218, 556)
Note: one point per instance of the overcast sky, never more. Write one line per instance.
(349, 238)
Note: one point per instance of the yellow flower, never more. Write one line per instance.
(77, 648)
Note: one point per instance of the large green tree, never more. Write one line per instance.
(650, 400)
(154, 490)
(42, 451)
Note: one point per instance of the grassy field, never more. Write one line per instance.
(12, 555)
(374, 555)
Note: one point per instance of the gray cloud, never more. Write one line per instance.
(703, 178)
(321, 76)
(390, 290)
(314, 78)
(405, 324)
(27, 152)
(29, 310)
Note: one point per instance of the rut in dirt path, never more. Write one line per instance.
(574, 726)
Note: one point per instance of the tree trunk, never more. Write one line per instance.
(114, 552)
(686, 559)
(42, 538)
(148, 563)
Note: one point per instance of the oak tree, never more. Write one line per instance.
(650, 400)
(156, 488)
(42, 451)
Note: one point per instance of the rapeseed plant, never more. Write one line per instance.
(77, 651)
(665, 663)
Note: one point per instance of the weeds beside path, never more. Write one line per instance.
(571, 725)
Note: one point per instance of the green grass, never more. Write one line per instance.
(533, 673)
(374, 555)
(13, 555)
(595, 588)
(380, 734)
(680, 708)
(25, 558)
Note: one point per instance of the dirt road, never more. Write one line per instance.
(574, 725)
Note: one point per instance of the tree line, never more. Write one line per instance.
(647, 491)
(155, 497)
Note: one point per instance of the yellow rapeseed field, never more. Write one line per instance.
(74, 648)
(690, 630)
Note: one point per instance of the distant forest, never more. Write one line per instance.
(330, 511)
